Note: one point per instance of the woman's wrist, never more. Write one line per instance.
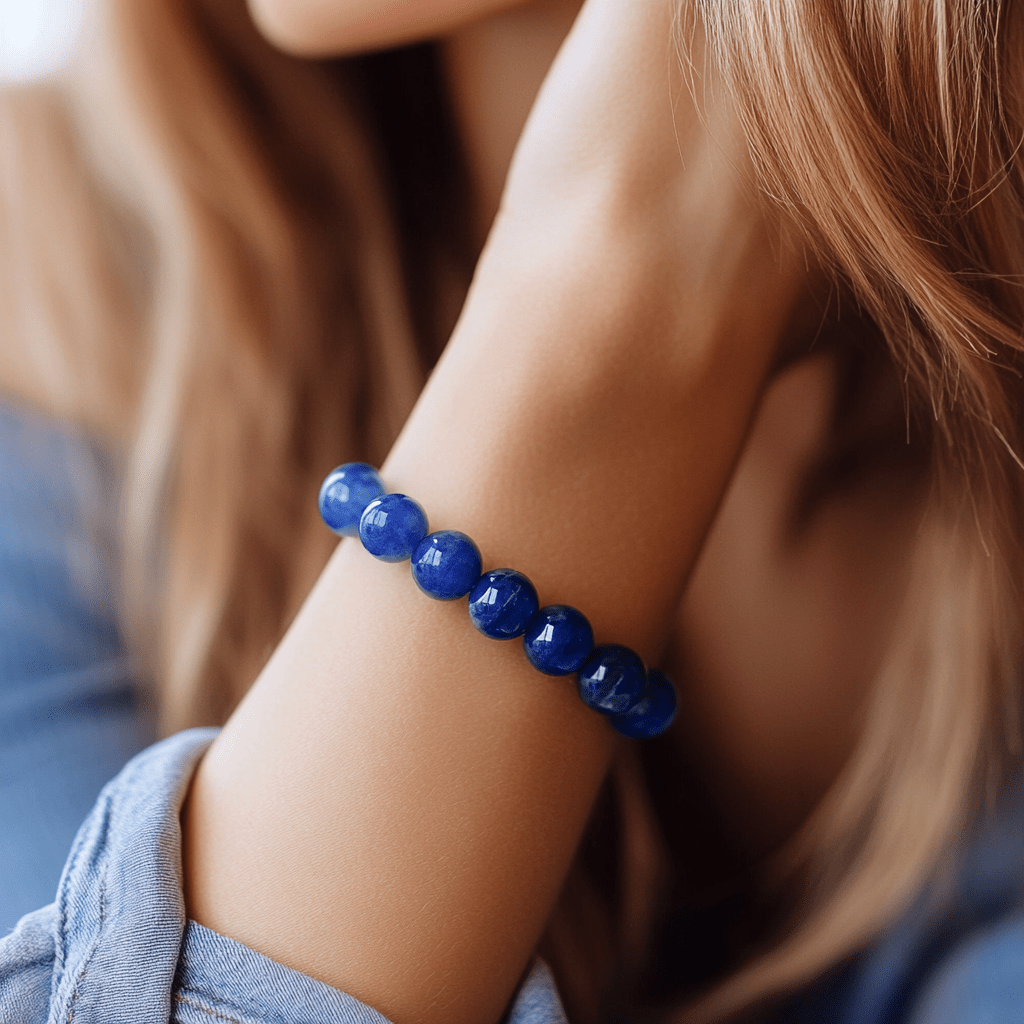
(590, 406)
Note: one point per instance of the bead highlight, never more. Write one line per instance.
(344, 495)
(502, 604)
(653, 714)
(558, 640)
(446, 564)
(392, 526)
(613, 679)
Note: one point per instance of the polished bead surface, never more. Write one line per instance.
(502, 603)
(613, 679)
(558, 640)
(655, 712)
(446, 564)
(392, 526)
(344, 495)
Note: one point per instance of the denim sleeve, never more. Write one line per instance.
(115, 946)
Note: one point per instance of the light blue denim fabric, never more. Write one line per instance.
(70, 716)
(115, 945)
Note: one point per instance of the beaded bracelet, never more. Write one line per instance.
(503, 603)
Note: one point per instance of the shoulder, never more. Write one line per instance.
(979, 981)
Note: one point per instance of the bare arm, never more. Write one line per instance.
(395, 805)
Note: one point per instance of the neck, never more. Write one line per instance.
(495, 68)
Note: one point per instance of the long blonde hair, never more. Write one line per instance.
(276, 311)
(239, 282)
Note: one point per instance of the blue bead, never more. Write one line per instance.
(655, 712)
(613, 679)
(392, 527)
(558, 640)
(344, 495)
(502, 603)
(446, 564)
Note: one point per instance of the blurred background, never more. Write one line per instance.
(37, 36)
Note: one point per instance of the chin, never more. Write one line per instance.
(326, 28)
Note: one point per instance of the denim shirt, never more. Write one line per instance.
(116, 946)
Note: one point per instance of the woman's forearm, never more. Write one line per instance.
(394, 806)
(396, 803)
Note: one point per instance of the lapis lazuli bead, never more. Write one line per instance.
(392, 526)
(653, 714)
(502, 603)
(613, 679)
(558, 640)
(345, 493)
(446, 564)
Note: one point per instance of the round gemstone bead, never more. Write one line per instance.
(446, 564)
(392, 526)
(653, 714)
(558, 640)
(502, 603)
(345, 493)
(613, 679)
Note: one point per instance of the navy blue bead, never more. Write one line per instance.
(392, 527)
(344, 495)
(613, 679)
(446, 564)
(502, 603)
(655, 712)
(558, 640)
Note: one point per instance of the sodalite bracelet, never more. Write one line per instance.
(446, 565)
